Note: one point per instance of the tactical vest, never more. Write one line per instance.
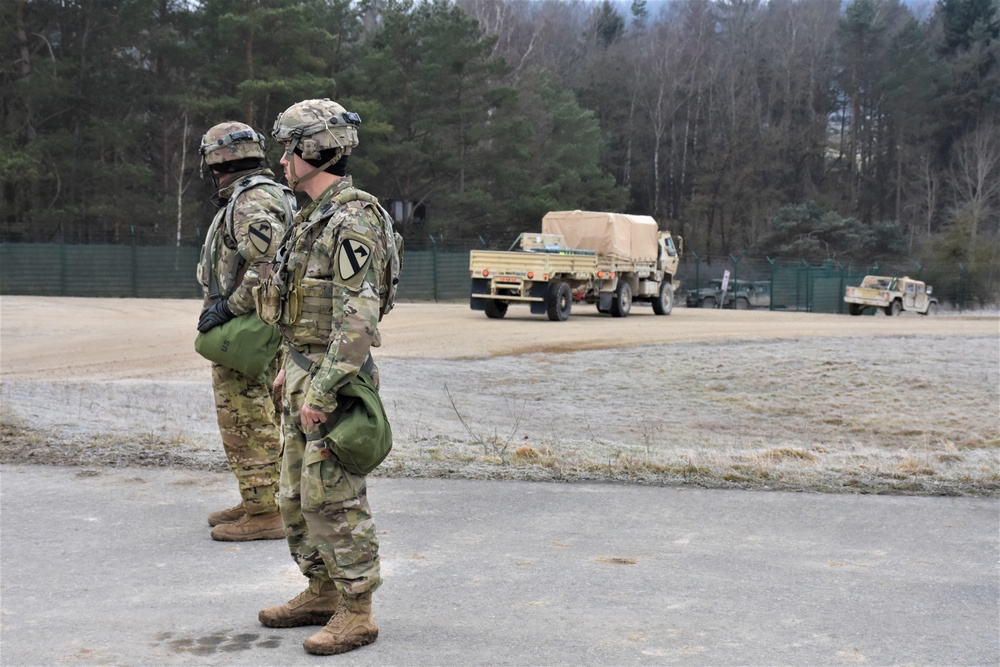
(206, 267)
(280, 297)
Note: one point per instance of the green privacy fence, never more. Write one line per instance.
(434, 273)
(156, 271)
(814, 288)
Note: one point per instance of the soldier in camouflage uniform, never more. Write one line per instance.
(253, 213)
(328, 293)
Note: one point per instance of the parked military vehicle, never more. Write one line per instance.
(606, 259)
(750, 295)
(709, 296)
(890, 295)
(741, 295)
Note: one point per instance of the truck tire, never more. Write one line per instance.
(621, 305)
(893, 309)
(495, 309)
(558, 302)
(664, 303)
(855, 308)
(742, 304)
(931, 309)
(709, 302)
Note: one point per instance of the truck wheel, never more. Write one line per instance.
(709, 302)
(855, 308)
(742, 304)
(931, 309)
(495, 309)
(664, 303)
(892, 309)
(558, 302)
(622, 303)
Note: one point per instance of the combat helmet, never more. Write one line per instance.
(317, 130)
(230, 141)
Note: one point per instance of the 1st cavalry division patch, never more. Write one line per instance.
(352, 259)
(260, 236)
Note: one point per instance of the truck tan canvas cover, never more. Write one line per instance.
(608, 234)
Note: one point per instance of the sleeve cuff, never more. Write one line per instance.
(321, 402)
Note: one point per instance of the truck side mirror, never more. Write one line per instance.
(929, 289)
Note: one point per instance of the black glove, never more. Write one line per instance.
(216, 314)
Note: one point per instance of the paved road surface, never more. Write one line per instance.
(115, 567)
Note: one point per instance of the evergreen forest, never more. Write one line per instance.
(855, 131)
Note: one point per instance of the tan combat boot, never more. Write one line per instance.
(251, 527)
(352, 626)
(313, 606)
(227, 516)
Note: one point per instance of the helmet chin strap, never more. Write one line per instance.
(293, 179)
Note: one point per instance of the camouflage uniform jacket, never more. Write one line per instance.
(236, 253)
(336, 260)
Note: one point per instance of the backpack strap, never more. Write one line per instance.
(285, 196)
(394, 246)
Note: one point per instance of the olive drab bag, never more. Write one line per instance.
(361, 437)
(244, 343)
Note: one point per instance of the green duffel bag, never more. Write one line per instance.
(361, 437)
(244, 343)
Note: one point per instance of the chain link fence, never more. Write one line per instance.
(436, 272)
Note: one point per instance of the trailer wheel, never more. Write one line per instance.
(664, 303)
(892, 309)
(558, 301)
(622, 303)
(495, 309)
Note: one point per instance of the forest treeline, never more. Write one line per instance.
(807, 129)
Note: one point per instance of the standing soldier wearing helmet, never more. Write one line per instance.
(334, 279)
(253, 213)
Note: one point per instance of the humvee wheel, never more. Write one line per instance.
(892, 309)
(558, 302)
(664, 303)
(855, 308)
(931, 309)
(496, 309)
(709, 302)
(742, 304)
(621, 305)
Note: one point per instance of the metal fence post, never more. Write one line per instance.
(135, 266)
(736, 267)
(961, 287)
(697, 271)
(434, 266)
(62, 267)
(770, 281)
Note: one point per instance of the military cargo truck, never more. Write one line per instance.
(606, 259)
(890, 295)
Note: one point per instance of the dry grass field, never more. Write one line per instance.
(716, 398)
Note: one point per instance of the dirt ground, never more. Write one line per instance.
(740, 398)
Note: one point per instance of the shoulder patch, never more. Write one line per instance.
(350, 264)
(259, 234)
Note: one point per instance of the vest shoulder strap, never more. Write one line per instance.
(285, 196)
(394, 245)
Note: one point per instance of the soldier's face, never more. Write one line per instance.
(301, 167)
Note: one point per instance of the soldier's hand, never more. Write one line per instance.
(311, 418)
(216, 314)
(279, 387)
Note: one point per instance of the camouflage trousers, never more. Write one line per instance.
(249, 426)
(331, 534)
